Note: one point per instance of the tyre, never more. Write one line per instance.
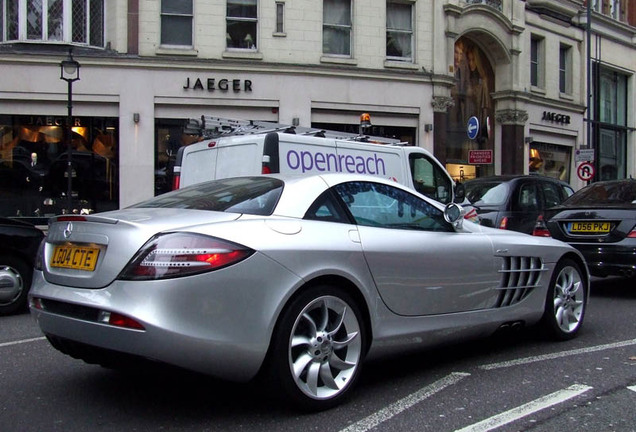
(15, 281)
(318, 348)
(566, 301)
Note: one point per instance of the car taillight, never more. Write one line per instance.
(503, 224)
(540, 228)
(182, 254)
(632, 233)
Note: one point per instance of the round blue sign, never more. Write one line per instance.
(472, 128)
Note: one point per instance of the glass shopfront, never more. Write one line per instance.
(34, 166)
(474, 84)
(550, 160)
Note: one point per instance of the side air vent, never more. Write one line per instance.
(519, 276)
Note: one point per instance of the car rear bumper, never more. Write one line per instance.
(615, 260)
(220, 327)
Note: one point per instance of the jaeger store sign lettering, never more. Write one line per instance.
(213, 84)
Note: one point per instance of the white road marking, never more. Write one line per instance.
(632, 388)
(526, 409)
(405, 403)
(557, 355)
(6, 344)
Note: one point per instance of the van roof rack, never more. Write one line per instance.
(210, 127)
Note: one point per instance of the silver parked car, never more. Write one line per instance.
(298, 278)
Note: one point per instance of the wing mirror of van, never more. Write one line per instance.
(460, 193)
(454, 214)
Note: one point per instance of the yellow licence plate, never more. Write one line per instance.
(75, 257)
(590, 227)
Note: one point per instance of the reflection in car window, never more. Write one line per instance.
(326, 208)
(491, 193)
(623, 192)
(249, 195)
(379, 205)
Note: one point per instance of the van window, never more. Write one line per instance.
(429, 179)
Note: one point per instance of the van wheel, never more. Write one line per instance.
(566, 301)
(318, 348)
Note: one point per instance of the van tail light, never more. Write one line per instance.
(176, 177)
(266, 170)
(503, 224)
(540, 228)
(182, 254)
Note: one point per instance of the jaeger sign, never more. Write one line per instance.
(223, 84)
(556, 117)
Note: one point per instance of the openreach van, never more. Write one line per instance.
(231, 148)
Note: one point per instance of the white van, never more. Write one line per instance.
(261, 150)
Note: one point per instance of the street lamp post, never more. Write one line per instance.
(69, 72)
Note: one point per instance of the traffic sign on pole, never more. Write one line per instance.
(472, 128)
(585, 171)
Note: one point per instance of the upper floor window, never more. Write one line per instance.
(176, 22)
(69, 21)
(336, 27)
(565, 68)
(280, 17)
(399, 31)
(536, 61)
(242, 20)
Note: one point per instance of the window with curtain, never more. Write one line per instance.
(336, 27)
(242, 23)
(176, 22)
(76, 21)
(399, 31)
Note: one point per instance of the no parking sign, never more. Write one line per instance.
(585, 171)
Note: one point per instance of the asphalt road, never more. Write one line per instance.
(515, 382)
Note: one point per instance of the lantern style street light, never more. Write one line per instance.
(69, 72)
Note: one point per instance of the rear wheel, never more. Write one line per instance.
(318, 348)
(566, 301)
(15, 281)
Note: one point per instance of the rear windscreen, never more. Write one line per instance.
(250, 195)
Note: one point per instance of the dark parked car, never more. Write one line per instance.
(600, 221)
(19, 242)
(514, 202)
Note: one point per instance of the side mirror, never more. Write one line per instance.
(454, 214)
(460, 193)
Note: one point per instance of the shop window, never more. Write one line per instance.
(80, 22)
(33, 165)
(170, 137)
(399, 31)
(336, 27)
(242, 21)
(176, 22)
(550, 160)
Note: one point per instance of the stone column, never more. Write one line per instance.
(440, 104)
(512, 123)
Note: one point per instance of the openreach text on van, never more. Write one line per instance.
(330, 162)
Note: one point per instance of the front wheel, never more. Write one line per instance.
(318, 348)
(566, 301)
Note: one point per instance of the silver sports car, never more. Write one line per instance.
(297, 278)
